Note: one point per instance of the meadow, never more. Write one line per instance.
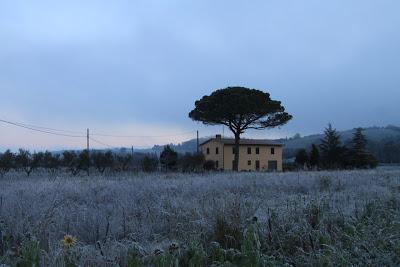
(327, 218)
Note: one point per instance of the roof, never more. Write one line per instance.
(231, 141)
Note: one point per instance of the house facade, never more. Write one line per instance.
(254, 154)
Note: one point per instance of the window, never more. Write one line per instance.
(272, 150)
(249, 150)
(233, 151)
(216, 150)
(257, 150)
(216, 164)
(249, 162)
(208, 150)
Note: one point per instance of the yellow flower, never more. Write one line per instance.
(69, 241)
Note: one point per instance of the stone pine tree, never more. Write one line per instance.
(361, 157)
(314, 156)
(331, 148)
(240, 109)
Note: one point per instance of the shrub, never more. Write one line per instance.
(227, 234)
(149, 164)
(209, 165)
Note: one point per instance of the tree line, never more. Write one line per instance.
(332, 154)
(100, 162)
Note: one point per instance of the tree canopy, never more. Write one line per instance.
(168, 158)
(240, 108)
(361, 157)
(331, 148)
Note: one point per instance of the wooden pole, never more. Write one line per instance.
(88, 150)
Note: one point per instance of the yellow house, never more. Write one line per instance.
(254, 154)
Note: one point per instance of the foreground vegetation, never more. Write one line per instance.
(227, 219)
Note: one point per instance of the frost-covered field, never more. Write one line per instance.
(224, 219)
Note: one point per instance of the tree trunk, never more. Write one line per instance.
(236, 161)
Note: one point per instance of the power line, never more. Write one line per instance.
(49, 129)
(101, 143)
(143, 136)
(79, 134)
(39, 130)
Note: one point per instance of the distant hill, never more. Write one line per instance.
(184, 147)
(384, 142)
(374, 134)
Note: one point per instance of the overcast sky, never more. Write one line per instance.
(136, 67)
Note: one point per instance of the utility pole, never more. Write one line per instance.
(88, 149)
(132, 160)
(197, 141)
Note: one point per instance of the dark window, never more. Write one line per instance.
(257, 150)
(272, 165)
(249, 150)
(272, 150)
(216, 164)
(233, 150)
(208, 150)
(216, 150)
(233, 164)
(257, 165)
(249, 162)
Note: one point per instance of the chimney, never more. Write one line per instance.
(218, 136)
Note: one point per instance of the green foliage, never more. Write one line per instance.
(360, 156)
(70, 161)
(103, 161)
(314, 156)
(6, 162)
(165, 260)
(50, 161)
(23, 161)
(192, 162)
(149, 164)
(331, 148)
(240, 108)
(29, 254)
(83, 161)
(135, 260)
(168, 158)
(227, 234)
(122, 161)
(209, 165)
(194, 256)
(302, 158)
(251, 247)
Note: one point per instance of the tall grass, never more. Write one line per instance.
(222, 219)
